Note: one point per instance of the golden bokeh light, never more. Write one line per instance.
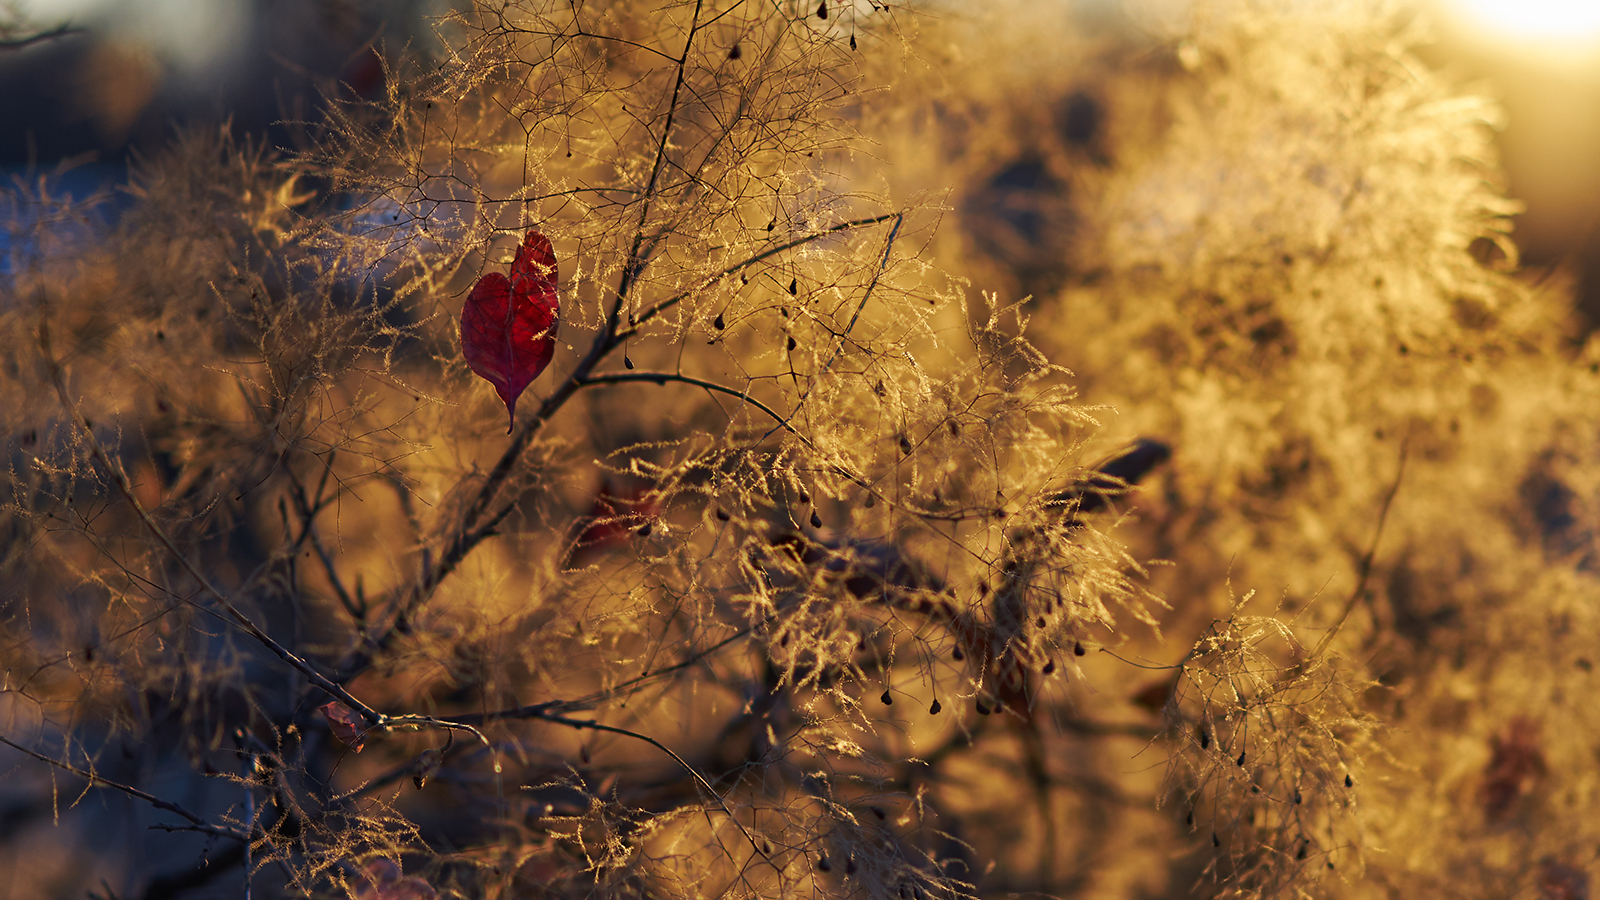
(1563, 22)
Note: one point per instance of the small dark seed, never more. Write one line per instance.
(1349, 782)
(850, 865)
(824, 865)
(852, 42)
(983, 708)
(644, 530)
(822, 9)
(1241, 759)
(791, 342)
(957, 655)
(717, 323)
(1040, 622)
(1297, 798)
(1205, 739)
(816, 520)
(722, 514)
(878, 811)
(627, 362)
(1190, 819)
(1077, 648)
(1049, 667)
(794, 285)
(734, 52)
(1215, 841)
(887, 700)
(934, 707)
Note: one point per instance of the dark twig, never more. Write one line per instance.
(198, 823)
(1366, 561)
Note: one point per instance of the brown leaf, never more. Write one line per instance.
(345, 724)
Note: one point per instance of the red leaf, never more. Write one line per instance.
(508, 327)
(345, 724)
(615, 517)
(381, 879)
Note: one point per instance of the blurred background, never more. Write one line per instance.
(88, 83)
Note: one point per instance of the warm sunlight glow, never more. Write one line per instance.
(1560, 21)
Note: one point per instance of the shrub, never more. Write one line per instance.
(802, 569)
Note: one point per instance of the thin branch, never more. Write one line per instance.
(746, 263)
(661, 378)
(1366, 561)
(693, 773)
(198, 823)
(637, 256)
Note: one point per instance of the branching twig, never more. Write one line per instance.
(197, 823)
(1366, 561)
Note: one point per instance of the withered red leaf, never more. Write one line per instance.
(345, 724)
(508, 326)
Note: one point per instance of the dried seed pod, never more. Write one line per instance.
(425, 765)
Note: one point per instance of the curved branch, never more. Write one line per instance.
(661, 378)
